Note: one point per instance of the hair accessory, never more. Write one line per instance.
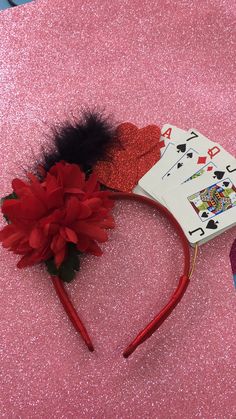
(56, 219)
(61, 211)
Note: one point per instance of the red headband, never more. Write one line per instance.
(61, 212)
(167, 309)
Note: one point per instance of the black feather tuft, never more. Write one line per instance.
(83, 142)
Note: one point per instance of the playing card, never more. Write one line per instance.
(193, 152)
(190, 147)
(169, 135)
(204, 207)
(212, 158)
(139, 191)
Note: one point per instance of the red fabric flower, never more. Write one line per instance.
(46, 215)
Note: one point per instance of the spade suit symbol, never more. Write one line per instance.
(179, 165)
(181, 147)
(213, 225)
(189, 155)
(226, 184)
(204, 214)
(218, 174)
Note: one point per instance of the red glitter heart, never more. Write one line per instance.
(139, 152)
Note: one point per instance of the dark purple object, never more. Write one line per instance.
(232, 256)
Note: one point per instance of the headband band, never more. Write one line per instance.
(166, 310)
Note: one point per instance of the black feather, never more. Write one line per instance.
(83, 142)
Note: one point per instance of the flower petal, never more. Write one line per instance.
(59, 257)
(36, 238)
(58, 243)
(91, 230)
(95, 249)
(91, 184)
(72, 210)
(69, 235)
(83, 243)
(19, 186)
(11, 208)
(93, 203)
(55, 198)
(26, 260)
(7, 231)
(84, 211)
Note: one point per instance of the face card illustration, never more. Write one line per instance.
(204, 208)
(214, 200)
(214, 162)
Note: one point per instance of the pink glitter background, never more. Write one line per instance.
(146, 62)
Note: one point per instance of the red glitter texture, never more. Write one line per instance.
(139, 151)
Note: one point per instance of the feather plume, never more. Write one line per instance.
(84, 142)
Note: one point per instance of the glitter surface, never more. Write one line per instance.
(146, 62)
(139, 151)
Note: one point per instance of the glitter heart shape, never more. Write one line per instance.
(139, 151)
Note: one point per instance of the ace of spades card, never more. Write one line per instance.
(170, 134)
(204, 207)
